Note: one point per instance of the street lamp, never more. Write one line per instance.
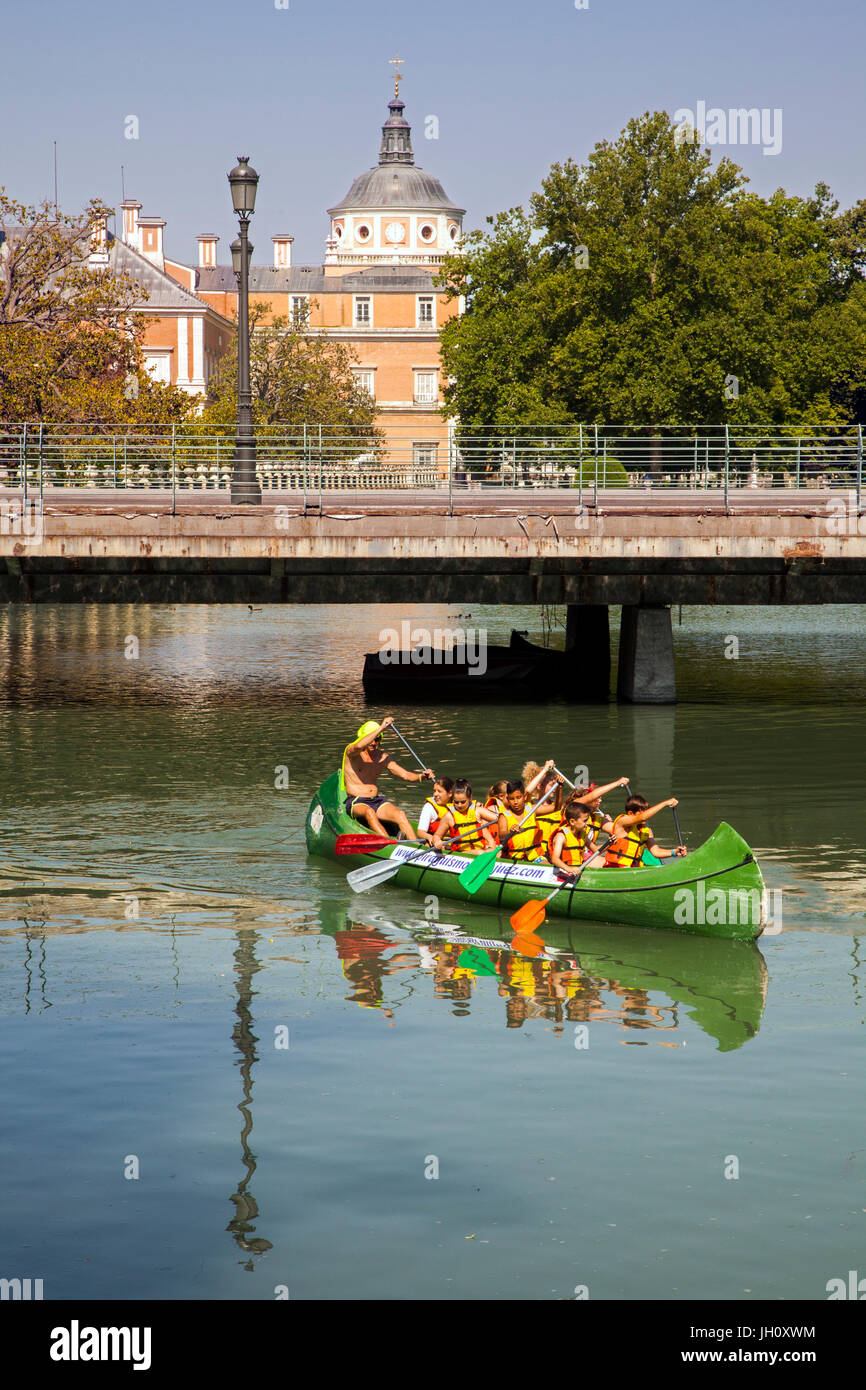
(243, 181)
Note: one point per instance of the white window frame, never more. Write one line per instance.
(294, 300)
(357, 301)
(369, 373)
(424, 397)
(425, 453)
(157, 362)
(425, 299)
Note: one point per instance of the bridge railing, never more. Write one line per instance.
(315, 459)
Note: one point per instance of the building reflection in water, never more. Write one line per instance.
(246, 1208)
(610, 975)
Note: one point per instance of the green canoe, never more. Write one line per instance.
(716, 890)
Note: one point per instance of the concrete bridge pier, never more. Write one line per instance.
(646, 655)
(587, 635)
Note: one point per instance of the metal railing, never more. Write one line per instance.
(587, 458)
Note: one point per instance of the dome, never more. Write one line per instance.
(397, 182)
(397, 186)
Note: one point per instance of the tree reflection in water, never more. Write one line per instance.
(246, 1207)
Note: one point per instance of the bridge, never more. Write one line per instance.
(643, 550)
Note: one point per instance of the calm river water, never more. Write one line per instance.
(226, 1076)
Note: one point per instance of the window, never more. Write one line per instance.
(363, 233)
(426, 311)
(424, 455)
(427, 232)
(159, 366)
(363, 311)
(300, 308)
(426, 392)
(365, 380)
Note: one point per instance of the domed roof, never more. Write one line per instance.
(397, 187)
(397, 182)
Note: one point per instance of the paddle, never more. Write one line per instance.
(371, 875)
(478, 872)
(677, 824)
(532, 914)
(423, 766)
(365, 844)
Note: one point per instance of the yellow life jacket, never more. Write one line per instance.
(626, 849)
(526, 844)
(467, 820)
(550, 821)
(439, 812)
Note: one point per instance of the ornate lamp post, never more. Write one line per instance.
(243, 181)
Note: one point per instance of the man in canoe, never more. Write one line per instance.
(363, 763)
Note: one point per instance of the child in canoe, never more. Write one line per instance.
(600, 823)
(633, 834)
(545, 785)
(434, 808)
(495, 803)
(465, 821)
(527, 843)
(571, 841)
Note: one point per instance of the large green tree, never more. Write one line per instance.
(71, 332)
(639, 284)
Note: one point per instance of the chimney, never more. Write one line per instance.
(130, 209)
(282, 251)
(99, 242)
(150, 240)
(207, 245)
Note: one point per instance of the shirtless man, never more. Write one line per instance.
(363, 762)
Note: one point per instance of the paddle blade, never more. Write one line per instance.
(370, 875)
(479, 871)
(361, 844)
(528, 917)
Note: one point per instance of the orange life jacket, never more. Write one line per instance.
(626, 848)
(494, 804)
(573, 845)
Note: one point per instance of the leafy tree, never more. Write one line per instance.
(639, 284)
(296, 378)
(70, 338)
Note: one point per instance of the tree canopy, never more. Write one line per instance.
(70, 340)
(650, 286)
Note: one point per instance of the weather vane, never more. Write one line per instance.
(398, 76)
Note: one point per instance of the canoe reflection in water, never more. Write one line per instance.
(578, 973)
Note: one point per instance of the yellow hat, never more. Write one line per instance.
(369, 728)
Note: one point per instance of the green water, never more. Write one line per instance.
(161, 932)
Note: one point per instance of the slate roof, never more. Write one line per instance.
(397, 186)
(163, 291)
(312, 280)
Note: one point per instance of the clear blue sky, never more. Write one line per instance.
(303, 91)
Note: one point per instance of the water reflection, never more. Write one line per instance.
(246, 1208)
(575, 974)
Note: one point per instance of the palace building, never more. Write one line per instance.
(373, 291)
